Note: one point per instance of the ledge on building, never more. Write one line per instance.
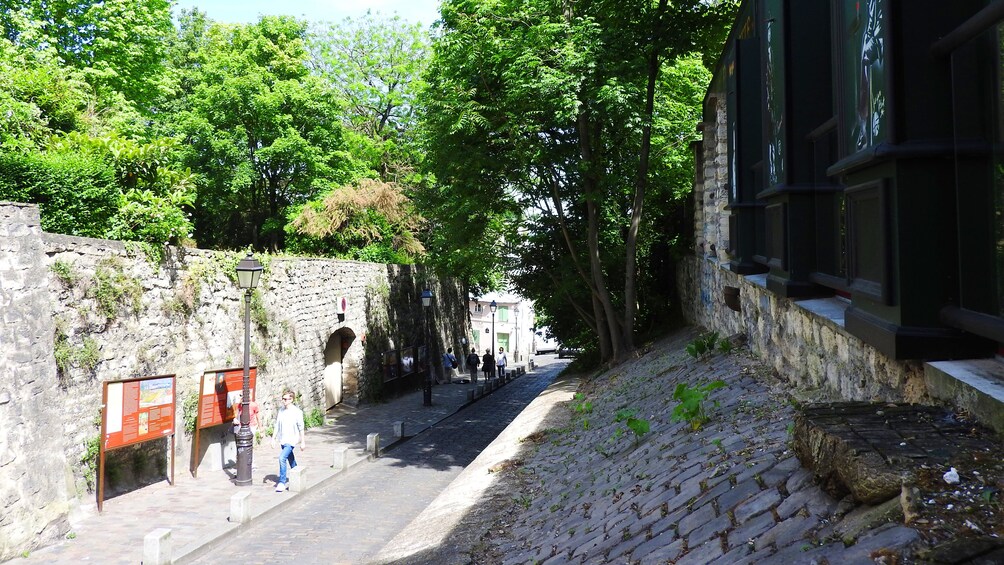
(973, 385)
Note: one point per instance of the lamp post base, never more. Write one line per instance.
(427, 393)
(245, 451)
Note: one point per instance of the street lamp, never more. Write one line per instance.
(516, 349)
(248, 273)
(493, 307)
(427, 386)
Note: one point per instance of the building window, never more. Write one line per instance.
(479, 308)
(863, 64)
(503, 313)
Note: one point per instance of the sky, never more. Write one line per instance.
(245, 11)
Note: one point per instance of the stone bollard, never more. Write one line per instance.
(470, 395)
(157, 547)
(373, 444)
(341, 461)
(298, 479)
(240, 508)
(481, 390)
(399, 429)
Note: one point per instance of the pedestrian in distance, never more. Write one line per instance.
(473, 361)
(253, 419)
(501, 362)
(488, 364)
(449, 365)
(289, 430)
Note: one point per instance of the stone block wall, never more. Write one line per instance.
(34, 474)
(804, 341)
(78, 312)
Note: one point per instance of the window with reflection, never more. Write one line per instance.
(864, 74)
(773, 45)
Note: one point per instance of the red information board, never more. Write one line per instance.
(138, 410)
(219, 394)
(135, 410)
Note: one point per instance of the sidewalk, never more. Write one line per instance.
(197, 510)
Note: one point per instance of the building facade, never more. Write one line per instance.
(850, 189)
(512, 324)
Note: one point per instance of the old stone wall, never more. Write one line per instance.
(804, 341)
(34, 474)
(79, 312)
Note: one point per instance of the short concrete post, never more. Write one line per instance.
(157, 547)
(481, 390)
(373, 444)
(470, 395)
(341, 461)
(298, 479)
(399, 429)
(240, 507)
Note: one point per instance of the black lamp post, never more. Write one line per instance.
(427, 386)
(493, 307)
(248, 273)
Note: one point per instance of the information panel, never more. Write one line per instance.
(219, 394)
(138, 410)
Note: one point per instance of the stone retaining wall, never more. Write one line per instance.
(78, 312)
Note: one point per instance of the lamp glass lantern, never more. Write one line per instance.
(426, 297)
(249, 273)
(493, 306)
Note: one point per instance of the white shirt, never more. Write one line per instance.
(289, 425)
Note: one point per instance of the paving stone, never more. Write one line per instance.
(780, 473)
(711, 494)
(695, 519)
(709, 530)
(738, 556)
(796, 501)
(801, 478)
(741, 535)
(657, 553)
(702, 554)
(751, 472)
(756, 505)
(739, 493)
(787, 531)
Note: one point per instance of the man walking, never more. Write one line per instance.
(288, 431)
(472, 364)
(500, 363)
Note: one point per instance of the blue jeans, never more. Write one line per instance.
(287, 453)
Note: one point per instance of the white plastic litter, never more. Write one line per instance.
(952, 476)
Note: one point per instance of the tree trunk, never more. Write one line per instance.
(641, 184)
(591, 190)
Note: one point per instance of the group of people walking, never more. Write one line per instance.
(489, 364)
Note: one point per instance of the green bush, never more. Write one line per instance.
(76, 194)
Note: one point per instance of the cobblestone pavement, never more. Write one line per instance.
(350, 519)
(197, 510)
(578, 487)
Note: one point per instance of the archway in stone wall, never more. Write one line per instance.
(338, 366)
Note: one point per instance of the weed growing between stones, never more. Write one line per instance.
(113, 290)
(691, 402)
(65, 272)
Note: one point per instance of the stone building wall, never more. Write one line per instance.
(79, 312)
(804, 341)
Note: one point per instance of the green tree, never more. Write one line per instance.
(375, 66)
(551, 108)
(117, 45)
(261, 132)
